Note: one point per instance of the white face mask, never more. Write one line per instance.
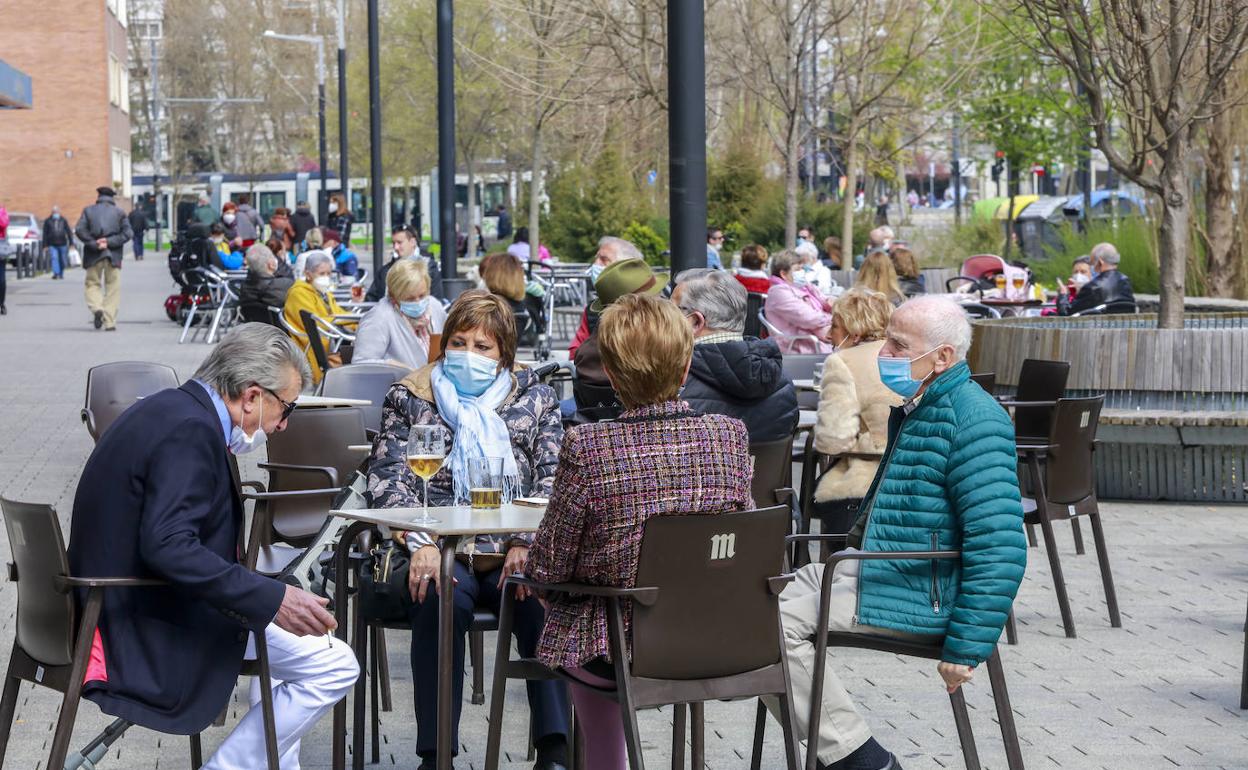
(241, 443)
(1080, 279)
(323, 283)
(333, 207)
(229, 219)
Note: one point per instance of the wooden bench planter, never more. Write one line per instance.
(1175, 426)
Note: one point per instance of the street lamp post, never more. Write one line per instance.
(320, 101)
(343, 165)
(686, 131)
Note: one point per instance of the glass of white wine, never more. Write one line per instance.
(426, 451)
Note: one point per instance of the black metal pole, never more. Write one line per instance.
(377, 181)
(446, 138)
(320, 116)
(343, 162)
(686, 132)
(957, 171)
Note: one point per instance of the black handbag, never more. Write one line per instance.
(384, 595)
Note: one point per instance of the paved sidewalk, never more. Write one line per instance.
(1161, 692)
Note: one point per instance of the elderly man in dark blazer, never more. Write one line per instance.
(159, 498)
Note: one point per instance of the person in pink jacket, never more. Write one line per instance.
(795, 308)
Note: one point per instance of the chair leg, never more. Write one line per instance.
(383, 666)
(476, 645)
(760, 731)
(1107, 577)
(679, 729)
(266, 701)
(1005, 714)
(1031, 535)
(1077, 531)
(697, 724)
(1011, 631)
(792, 748)
(498, 688)
(82, 654)
(359, 640)
(375, 697)
(197, 752)
(190, 317)
(1243, 685)
(970, 754)
(8, 705)
(1059, 581)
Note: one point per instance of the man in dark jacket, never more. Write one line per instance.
(741, 377)
(406, 246)
(504, 222)
(138, 224)
(1108, 287)
(104, 230)
(263, 288)
(204, 213)
(248, 225)
(58, 238)
(302, 221)
(159, 499)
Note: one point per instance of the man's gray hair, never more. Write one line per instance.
(876, 237)
(941, 320)
(253, 354)
(258, 257)
(807, 250)
(1105, 252)
(623, 249)
(717, 295)
(316, 259)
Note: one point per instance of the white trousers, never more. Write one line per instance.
(310, 674)
(841, 728)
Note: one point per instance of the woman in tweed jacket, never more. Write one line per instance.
(518, 416)
(659, 458)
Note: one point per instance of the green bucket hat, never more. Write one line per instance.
(627, 276)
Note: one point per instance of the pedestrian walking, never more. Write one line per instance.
(103, 229)
(249, 224)
(57, 237)
(138, 224)
(302, 221)
(204, 213)
(5, 251)
(340, 216)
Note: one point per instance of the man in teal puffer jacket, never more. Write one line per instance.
(948, 481)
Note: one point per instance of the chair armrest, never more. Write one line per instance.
(776, 584)
(257, 486)
(1009, 403)
(88, 417)
(830, 538)
(646, 596)
(295, 494)
(841, 556)
(332, 473)
(65, 582)
(1035, 448)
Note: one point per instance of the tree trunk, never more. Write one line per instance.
(1220, 267)
(791, 150)
(903, 205)
(535, 193)
(1012, 188)
(469, 229)
(1173, 239)
(851, 189)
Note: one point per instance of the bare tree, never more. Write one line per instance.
(1159, 68)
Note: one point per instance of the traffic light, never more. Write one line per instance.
(997, 169)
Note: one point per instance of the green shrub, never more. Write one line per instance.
(650, 243)
(1135, 239)
(950, 246)
(765, 226)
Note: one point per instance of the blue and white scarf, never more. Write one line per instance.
(479, 431)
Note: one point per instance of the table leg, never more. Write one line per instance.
(446, 650)
(342, 568)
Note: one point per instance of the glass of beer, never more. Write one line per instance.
(485, 481)
(1019, 281)
(357, 292)
(426, 451)
(1000, 279)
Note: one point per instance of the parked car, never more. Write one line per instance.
(24, 229)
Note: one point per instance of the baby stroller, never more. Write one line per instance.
(978, 275)
(189, 254)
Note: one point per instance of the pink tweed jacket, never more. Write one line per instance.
(658, 460)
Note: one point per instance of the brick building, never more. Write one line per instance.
(76, 136)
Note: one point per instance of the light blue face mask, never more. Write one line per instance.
(470, 373)
(802, 276)
(595, 270)
(414, 309)
(895, 374)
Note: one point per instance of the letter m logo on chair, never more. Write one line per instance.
(723, 546)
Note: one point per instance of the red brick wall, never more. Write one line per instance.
(64, 49)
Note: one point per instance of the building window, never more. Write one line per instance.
(118, 9)
(124, 92)
(121, 172)
(114, 80)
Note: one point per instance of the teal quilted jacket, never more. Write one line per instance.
(948, 482)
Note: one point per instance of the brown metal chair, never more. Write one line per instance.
(1040, 384)
(53, 641)
(113, 388)
(369, 381)
(985, 380)
(698, 578)
(802, 367)
(1065, 487)
(933, 651)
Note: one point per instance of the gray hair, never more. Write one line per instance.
(1105, 252)
(807, 250)
(623, 249)
(941, 320)
(315, 260)
(717, 295)
(258, 257)
(784, 260)
(253, 354)
(315, 238)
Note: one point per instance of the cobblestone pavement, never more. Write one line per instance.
(1160, 692)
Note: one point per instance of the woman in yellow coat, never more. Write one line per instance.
(312, 294)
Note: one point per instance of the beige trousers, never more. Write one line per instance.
(841, 728)
(103, 290)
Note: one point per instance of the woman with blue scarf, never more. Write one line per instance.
(490, 410)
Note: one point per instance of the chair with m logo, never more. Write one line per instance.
(698, 578)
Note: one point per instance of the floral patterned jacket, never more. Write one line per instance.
(531, 413)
